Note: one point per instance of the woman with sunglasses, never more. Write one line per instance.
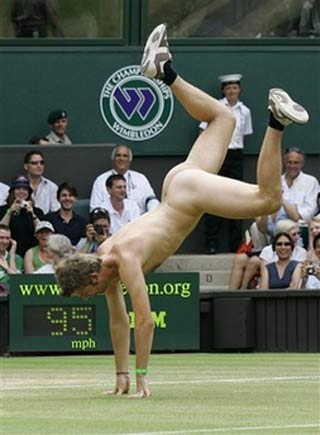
(284, 273)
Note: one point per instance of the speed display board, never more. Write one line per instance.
(41, 320)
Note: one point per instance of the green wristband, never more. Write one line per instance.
(9, 211)
(141, 371)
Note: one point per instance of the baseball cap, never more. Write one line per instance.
(99, 213)
(55, 115)
(20, 181)
(44, 225)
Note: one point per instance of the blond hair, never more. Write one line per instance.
(60, 246)
(74, 272)
(315, 218)
(284, 226)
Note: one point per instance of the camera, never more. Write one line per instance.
(99, 229)
(310, 270)
(24, 204)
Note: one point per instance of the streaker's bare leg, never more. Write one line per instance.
(202, 192)
(209, 150)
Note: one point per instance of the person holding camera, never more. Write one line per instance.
(97, 231)
(311, 268)
(20, 214)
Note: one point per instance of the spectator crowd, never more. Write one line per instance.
(38, 221)
(38, 217)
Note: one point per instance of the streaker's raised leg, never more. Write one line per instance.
(209, 150)
(200, 191)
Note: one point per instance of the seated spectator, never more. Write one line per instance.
(66, 221)
(121, 210)
(20, 214)
(299, 190)
(58, 121)
(44, 190)
(38, 255)
(138, 186)
(246, 267)
(37, 140)
(313, 231)
(58, 247)
(10, 262)
(4, 191)
(284, 273)
(97, 231)
(311, 268)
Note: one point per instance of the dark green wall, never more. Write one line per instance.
(35, 80)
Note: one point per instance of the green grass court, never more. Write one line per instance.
(192, 394)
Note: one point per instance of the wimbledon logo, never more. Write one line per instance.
(135, 107)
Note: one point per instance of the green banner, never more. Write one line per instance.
(41, 320)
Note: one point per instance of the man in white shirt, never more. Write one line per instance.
(138, 186)
(44, 191)
(4, 192)
(233, 164)
(121, 209)
(58, 121)
(299, 190)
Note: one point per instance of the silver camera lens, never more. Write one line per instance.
(24, 204)
(310, 270)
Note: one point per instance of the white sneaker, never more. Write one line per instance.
(156, 53)
(285, 110)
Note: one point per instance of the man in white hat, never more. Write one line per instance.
(233, 164)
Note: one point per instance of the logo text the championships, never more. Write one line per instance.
(135, 107)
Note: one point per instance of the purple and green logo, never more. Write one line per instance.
(135, 107)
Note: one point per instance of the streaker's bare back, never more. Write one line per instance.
(153, 236)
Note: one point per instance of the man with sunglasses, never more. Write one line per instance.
(44, 190)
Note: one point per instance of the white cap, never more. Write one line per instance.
(230, 78)
(43, 225)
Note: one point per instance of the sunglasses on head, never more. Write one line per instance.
(98, 210)
(283, 244)
(36, 162)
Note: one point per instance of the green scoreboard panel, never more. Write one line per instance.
(41, 320)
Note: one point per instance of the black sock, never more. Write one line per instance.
(169, 73)
(274, 123)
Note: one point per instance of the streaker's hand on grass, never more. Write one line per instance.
(122, 385)
(142, 387)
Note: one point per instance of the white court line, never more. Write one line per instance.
(31, 386)
(225, 430)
